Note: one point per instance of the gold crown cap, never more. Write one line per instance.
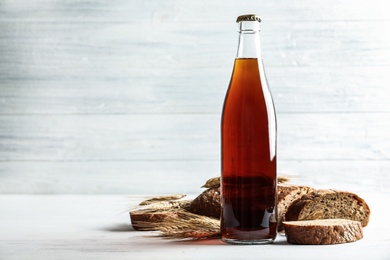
(248, 17)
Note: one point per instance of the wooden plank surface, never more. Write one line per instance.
(186, 137)
(119, 50)
(97, 227)
(295, 90)
(202, 10)
(173, 177)
(89, 89)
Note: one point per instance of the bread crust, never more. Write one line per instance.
(139, 217)
(208, 203)
(155, 213)
(287, 194)
(323, 232)
(329, 204)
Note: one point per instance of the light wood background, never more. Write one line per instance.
(126, 96)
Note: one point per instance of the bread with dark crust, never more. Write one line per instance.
(287, 194)
(329, 204)
(208, 203)
(323, 231)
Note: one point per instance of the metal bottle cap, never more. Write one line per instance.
(248, 17)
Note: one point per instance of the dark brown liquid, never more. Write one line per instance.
(248, 208)
(248, 156)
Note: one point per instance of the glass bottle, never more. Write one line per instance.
(248, 140)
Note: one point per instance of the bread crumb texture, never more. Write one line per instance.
(329, 204)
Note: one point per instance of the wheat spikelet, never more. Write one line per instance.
(212, 183)
(169, 216)
(162, 198)
(283, 179)
(215, 182)
(175, 222)
(186, 225)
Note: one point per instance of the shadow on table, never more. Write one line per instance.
(210, 241)
(119, 228)
(218, 241)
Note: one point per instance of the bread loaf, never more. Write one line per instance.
(323, 232)
(329, 204)
(144, 218)
(295, 203)
(208, 203)
(287, 194)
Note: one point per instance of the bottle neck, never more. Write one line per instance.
(249, 40)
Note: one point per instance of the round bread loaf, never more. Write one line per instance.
(208, 203)
(329, 204)
(323, 231)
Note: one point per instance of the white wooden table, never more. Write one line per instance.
(98, 227)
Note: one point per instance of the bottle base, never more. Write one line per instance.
(248, 242)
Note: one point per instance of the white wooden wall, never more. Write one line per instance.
(125, 96)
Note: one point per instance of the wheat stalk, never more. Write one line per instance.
(162, 198)
(177, 222)
(188, 225)
(215, 182)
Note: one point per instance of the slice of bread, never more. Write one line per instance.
(329, 204)
(287, 194)
(139, 218)
(145, 218)
(323, 231)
